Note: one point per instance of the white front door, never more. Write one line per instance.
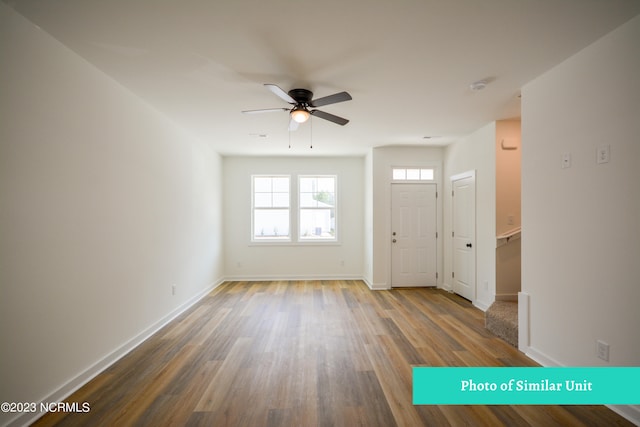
(464, 236)
(413, 235)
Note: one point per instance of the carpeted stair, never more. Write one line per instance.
(502, 319)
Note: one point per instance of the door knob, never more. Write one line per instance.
(468, 245)
(394, 233)
(394, 240)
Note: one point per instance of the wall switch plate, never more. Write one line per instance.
(173, 289)
(566, 160)
(603, 350)
(602, 154)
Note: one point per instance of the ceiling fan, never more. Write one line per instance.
(304, 104)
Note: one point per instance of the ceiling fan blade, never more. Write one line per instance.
(293, 125)
(335, 119)
(331, 99)
(281, 93)
(265, 110)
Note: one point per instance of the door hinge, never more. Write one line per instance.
(436, 275)
(436, 194)
(436, 234)
(451, 193)
(453, 234)
(453, 274)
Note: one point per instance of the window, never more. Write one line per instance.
(271, 208)
(272, 205)
(413, 174)
(317, 207)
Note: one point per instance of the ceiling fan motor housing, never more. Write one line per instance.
(302, 96)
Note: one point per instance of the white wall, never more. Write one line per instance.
(581, 225)
(383, 160)
(247, 261)
(475, 152)
(105, 205)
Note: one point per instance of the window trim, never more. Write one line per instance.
(299, 208)
(284, 240)
(418, 168)
(294, 212)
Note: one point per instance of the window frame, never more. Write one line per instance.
(294, 238)
(285, 239)
(320, 240)
(406, 169)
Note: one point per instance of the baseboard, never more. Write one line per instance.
(629, 412)
(380, 287)
(83, 378)
(374, 286)
(481, 305)
(274, 278)
(506, 297)
(523, 322)
(541, 358)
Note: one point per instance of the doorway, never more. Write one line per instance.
(413, 235)
(463, 233)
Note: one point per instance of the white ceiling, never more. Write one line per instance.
(408, 64)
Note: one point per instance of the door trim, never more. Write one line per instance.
(467, 174)
(452, 180)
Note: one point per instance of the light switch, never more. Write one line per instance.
(566, 160)
(602, 154)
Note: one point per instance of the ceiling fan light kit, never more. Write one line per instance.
(300, 115)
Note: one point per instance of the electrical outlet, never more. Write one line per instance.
(602, 154)
(173, 289)
(602, 350)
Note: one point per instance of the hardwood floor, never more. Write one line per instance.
(307, 353)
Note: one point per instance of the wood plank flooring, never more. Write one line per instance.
(308, 353)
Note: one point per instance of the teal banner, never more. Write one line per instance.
(526, 386)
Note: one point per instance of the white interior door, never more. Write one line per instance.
(413, 235)
(464, 236)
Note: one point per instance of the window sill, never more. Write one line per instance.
(291, 243)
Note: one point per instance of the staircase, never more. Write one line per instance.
(502, 320)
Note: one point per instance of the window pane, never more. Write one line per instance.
(325, 199)
(262, 184)
(317, 224)
(281, 200)
(400, 174)
(271, 223)
(413, 173)
(307, 185)
(307, 200)
(281, 185)
(271, 192)
(326, 185)
(426, 174)
(317, 214)
(262, 200)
